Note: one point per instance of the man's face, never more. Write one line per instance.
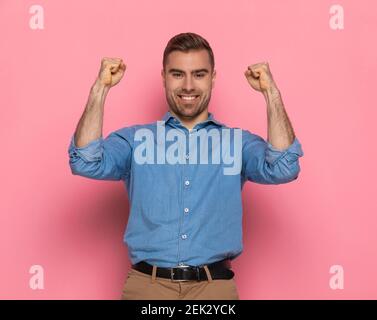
(188, 80)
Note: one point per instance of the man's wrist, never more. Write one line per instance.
(98, 86)
(271, 93)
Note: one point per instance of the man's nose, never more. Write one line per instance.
(188, 84)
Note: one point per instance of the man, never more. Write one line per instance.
(185, 222)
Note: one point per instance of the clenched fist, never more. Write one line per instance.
(259, 77)
(112, 71)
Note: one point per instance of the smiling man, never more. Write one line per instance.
(185, 223)
(188, 78)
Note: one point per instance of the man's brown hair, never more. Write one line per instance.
(185, 42)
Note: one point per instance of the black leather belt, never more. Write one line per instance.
(218, 270)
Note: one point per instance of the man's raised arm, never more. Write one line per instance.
(91, 155)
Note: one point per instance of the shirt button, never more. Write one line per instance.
(187, 210)
(184, 236)
(187, 182)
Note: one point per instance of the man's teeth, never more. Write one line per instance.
(188, 97)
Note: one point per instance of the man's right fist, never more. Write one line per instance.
(112, 71)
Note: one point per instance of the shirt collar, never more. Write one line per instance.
(210, 118)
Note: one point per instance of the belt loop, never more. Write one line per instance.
(208, 273)
(154, 271)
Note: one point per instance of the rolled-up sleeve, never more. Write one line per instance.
(102, 159)
(263, 163)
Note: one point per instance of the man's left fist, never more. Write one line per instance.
(260, 77)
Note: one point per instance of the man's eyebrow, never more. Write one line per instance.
(194, 71)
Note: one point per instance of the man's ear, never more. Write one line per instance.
(213, 78)
(163, 77)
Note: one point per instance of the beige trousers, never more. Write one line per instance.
(141, 286)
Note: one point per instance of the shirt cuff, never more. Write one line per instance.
(90, 152)
(292, 153)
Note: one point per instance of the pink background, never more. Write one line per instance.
(293, 233)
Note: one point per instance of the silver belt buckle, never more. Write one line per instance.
(172, 273)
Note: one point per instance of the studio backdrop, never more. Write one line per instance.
(61, 235)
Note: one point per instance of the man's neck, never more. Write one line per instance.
(190, 123)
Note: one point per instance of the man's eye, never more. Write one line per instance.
(200, 75)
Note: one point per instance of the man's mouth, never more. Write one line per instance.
(188, 98)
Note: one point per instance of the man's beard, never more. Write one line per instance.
(188, 110)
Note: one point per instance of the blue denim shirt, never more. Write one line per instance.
(185, 212)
